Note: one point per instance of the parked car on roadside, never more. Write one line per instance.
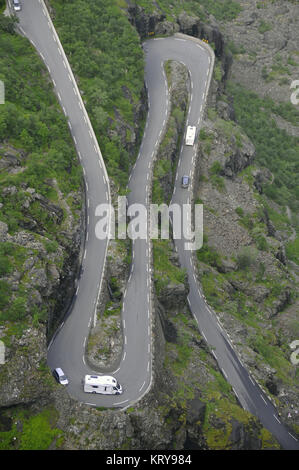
(17, 5)
(60, 376)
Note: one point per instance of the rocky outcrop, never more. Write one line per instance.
(239, 160)
(105, 342)
(173, 296)
(265, 39)
(24, 378)
(148, 24)
(37, 278)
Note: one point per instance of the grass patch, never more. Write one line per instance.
(165, 271)
(275, 149)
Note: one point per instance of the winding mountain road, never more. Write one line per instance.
(67, 349)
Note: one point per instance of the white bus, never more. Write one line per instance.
(190, 135)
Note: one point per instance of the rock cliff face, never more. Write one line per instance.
(44, 271)
(244, 269)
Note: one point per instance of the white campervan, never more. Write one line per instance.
(104, 384)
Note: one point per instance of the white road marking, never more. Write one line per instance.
(142, 386)
(224, 373)
(120, 402)
(263, 399)
(251, 380)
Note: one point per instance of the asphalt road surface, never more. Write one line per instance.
(67, 349)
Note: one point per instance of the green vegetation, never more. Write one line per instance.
(32, 120)
(222, 9)
(164, 166)
(165, 270)
(206, 141)
(34, 131)
(37, 432)
(263, 27)
(218, 72)
(207, 254)
(246, 258)
(112, 309)
(278, 70)
(275, 149)
(240, 304)
(229, 129)
(209, 385)
(215, 178)
(292, 250)
(106, 57)
(2, 6)
(234, 48)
